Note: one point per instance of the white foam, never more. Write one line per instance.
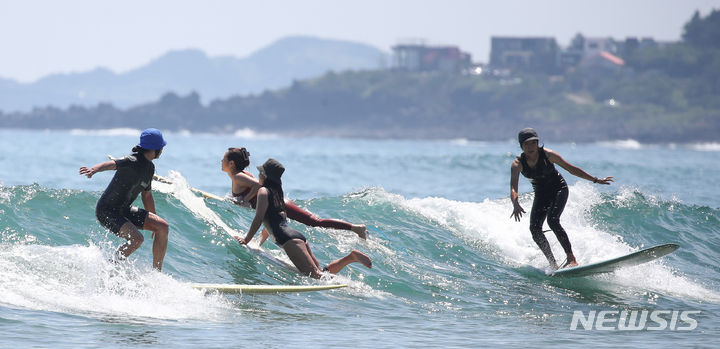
(622, 144)
(489, 225)
(705, 146)
(247, 133)
(80, 280)
(196, 204)
(355, 288)
(180, 190)
(5, 194)
(184, 133)
(460, 141)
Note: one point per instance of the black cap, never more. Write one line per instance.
(272, 170)
(527, 134)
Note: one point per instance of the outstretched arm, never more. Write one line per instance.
(263, 236)
(574, 170)
(514, 176)
(103, 166)
(262, 205)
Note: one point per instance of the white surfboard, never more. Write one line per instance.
(254, 249)
(263, 289)
(162, 179)
(270, 258)
(610, 265)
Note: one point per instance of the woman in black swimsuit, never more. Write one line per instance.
(245, 187)
(133, 177)
(270, 212)
(551, 192)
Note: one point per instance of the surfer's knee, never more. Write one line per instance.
(129, 232)
(162, 234)
(536, 231)
(554, 224)
(136, 239)
(160, 227)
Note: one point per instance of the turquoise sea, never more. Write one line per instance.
(451, 268)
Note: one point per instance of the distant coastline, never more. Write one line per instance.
(406, 105)
(654, 94)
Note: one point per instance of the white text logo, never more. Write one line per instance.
(635, 320)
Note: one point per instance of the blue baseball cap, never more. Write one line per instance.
(152, 139)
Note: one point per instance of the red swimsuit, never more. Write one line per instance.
(297, 214)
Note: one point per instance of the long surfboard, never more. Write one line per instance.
(270, 258)
(204, 194)
(610, 265)
(162, 179)
(263, 289)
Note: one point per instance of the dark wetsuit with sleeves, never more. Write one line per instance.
(275, 221)
(134, 174)
(551, 194)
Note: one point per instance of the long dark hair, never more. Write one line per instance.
(276, 193)
(240, 156)
(140, 150)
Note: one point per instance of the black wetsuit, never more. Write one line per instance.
(134, 174)
(551, 194)
(275, 220)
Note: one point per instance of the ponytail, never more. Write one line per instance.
(139, 149)
(240, 156)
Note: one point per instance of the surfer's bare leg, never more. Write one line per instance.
(134, 238)
(160, 229)
(312, 255)
(360, 230)
(354, 257)
(263, 236)
(298, 214)
(299, 254)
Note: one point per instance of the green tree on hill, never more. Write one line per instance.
(703, 33)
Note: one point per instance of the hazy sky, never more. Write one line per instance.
(42, 37)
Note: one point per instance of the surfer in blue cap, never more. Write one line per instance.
(551, 192)
(270, 212)
(133, 176)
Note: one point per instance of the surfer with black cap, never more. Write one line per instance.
(245, 187)
(133, 177)
(551, 192)
(270, 212)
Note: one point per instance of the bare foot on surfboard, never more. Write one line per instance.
(569, 264)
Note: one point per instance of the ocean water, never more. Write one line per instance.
(450, 267)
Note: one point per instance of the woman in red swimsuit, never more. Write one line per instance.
(245, 188)
(271, 214)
